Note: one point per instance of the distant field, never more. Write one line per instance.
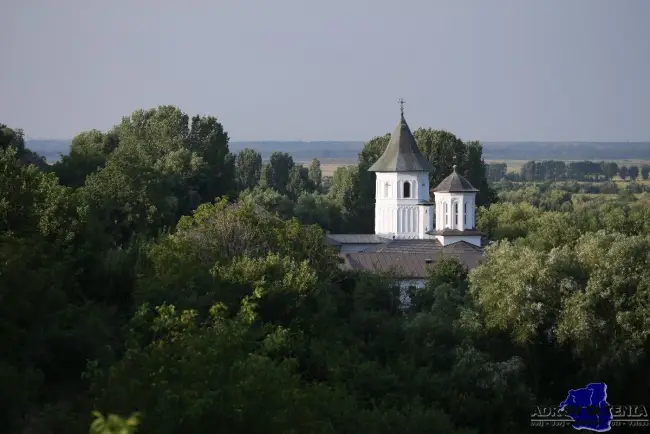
(328, 166)
(515, 165)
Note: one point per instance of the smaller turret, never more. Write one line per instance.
(455, 199)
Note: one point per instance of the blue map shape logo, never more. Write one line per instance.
(589, 408)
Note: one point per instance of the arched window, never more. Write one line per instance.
(446, 212)
(465, 213)
(407, 189)
(385, 189)
(456, 214)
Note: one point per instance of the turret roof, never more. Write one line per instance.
(402, 153)
(455, 183)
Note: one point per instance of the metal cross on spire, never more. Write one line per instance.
(401, 106)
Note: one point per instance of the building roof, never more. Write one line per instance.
(406, 258)
(338, 239)
(377, 244)
(428, 246)
(406, 265)
(455, 183)
(402, 153)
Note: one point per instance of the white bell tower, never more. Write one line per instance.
(402, 202)
(455, 199)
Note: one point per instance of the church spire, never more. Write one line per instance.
(402, 153)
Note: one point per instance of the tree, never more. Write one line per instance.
(279, 172)
(610, 169)
(496, 171)
(10, 138)
(163, 168)
(33, 202)
(315, 174)
(270, 200)
(248, 168)
(571, 299)
(345, 192)
(299, 182)
(623, 172)
(208, 139)
(527, 171)
(52, 323)
(14, 138)
(364, 183)
(475, 171)
(224, 379)
(313, 208)
(633, 172)
(645, 171)
(88, 153)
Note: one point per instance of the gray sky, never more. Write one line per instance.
(332, 70)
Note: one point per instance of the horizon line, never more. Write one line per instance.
(27, 139)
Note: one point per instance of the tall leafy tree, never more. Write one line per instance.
(346, 192)
(279, 173)
(209, 140)
(299, 182)
(163, 168)
(645, 171)
(248, 168)
(316, 174)
(15, 139)
(88, 153)
(623, 172)
(610, 169)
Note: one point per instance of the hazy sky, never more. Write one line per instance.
(332, 70)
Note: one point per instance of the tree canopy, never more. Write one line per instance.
(154, 282)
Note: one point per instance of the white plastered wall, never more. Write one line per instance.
(397, 215)
(456, 211)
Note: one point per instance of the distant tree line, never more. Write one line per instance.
(554, 170)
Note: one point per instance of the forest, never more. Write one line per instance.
(153, 281)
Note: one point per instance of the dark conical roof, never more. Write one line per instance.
(454, 183)
(402, 153)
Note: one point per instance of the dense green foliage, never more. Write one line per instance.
(133, 283)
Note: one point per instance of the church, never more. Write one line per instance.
(411, 230)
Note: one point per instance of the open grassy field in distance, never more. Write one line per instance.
(329, 165)
(515, 165)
